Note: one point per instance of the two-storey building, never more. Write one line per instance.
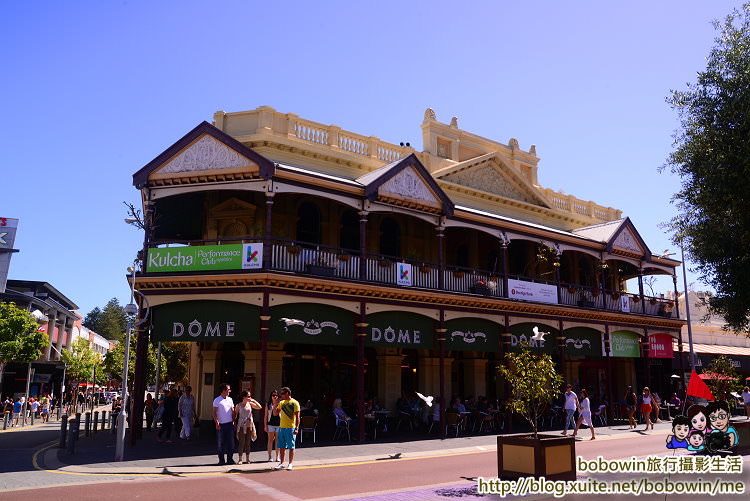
(288, 252)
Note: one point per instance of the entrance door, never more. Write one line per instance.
(232, 367)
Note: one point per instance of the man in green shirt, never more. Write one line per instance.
(288, 411)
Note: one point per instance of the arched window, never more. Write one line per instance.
(308, 223)
(390, 237)
(349, 231)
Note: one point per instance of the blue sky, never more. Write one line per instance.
(92, 91)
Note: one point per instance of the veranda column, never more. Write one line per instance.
(441, 258)
(504, 242)
(363, 245)
(610, 373)
(60, 335)
(389, 377)
(561, 347)
(265, 320)
(475, 376)
(676, 296)
(361, 332)
(640, 290)
(267, 253)
(506, 386)
(645, 355)
(139, 381)
(682, 359)
(440, 335)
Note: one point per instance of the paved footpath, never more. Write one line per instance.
(383, 471)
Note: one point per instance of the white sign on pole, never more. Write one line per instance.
(625, 302)
(532, 291)
(8, 229)
(252, 256)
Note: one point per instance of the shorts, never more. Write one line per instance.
(16, 415)
(272, 428)
(645, 409)
(286, 438)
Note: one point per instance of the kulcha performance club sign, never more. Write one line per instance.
(205, 258)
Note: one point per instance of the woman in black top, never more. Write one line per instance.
(169, 417)
(630, 403)
(271, 423)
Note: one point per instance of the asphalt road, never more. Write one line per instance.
(384, 479)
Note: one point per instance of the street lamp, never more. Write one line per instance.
(131, 309)
(687, 310)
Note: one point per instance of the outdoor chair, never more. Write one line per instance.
(452, 419)
(308, 424)
(601, 414)
(485, 418)
(342, 425)
(406, 417)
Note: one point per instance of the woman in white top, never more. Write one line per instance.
(646, 407)
(584, 410)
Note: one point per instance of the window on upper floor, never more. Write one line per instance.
(308, 223)
(349, 230)
(390, 237)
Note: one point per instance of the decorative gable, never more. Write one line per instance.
(486, 178)
(205, 154)
(627, 242)
(489, 174)
(408, 184)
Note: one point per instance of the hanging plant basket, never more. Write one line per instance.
(571, 290)
(294, 251)
(344, 257)
(425, 269)
(458, 274)
(616, 295)
(383, 263)
(595, 292)
(652, 302)
(636, 299)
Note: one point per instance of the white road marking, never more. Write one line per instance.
(263, 489)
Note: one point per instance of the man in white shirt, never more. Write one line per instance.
(571, 404)
(224, 419)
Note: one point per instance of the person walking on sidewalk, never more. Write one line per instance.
(169, 417)
(186, 407)
(646, 407)
(224, 418)
(288, 411)
(630, 402)
(246, 432)
(149, 407)
(570, 406)
(584, 409)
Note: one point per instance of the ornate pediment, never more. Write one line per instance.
(489, 174)
(205, 154)
(627, 241)
(408, 184)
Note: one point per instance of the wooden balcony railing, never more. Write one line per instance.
(324, 261)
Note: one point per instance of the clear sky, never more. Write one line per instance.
(92, 91)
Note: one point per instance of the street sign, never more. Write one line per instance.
(8, 229)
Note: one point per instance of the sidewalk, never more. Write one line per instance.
(95, 455)
(52, 419)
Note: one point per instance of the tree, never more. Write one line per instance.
(20, 337)
(712, 155)
(114, 361)
(723, 378)
(111, 322)
(92, 319)
(534, 383)
(176, 357)
(81, 361)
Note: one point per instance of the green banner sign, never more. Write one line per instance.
(523, 333)
(583, 341)
(205, 258)
(206, 321)
(472, 334)
(625, 344)
(310, 323)
(399, 330)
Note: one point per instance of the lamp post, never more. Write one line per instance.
(687, 310)
(131, 309)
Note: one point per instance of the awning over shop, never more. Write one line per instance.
(714, 349)
(472, 334)
(399, 329)
(207, 320)
(522, 333)
(311, 323)
(625, 344)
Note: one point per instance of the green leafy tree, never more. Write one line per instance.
(176, 358)
(724, 378)
(92, 319)
(114, 361)
(111, 322)
(534, 384)
(81, 361)
(20, 337)
(712, 156)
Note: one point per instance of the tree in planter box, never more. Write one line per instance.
(534, 384)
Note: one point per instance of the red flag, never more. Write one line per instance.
(697, 388)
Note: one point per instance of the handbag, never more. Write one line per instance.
(253, 432)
